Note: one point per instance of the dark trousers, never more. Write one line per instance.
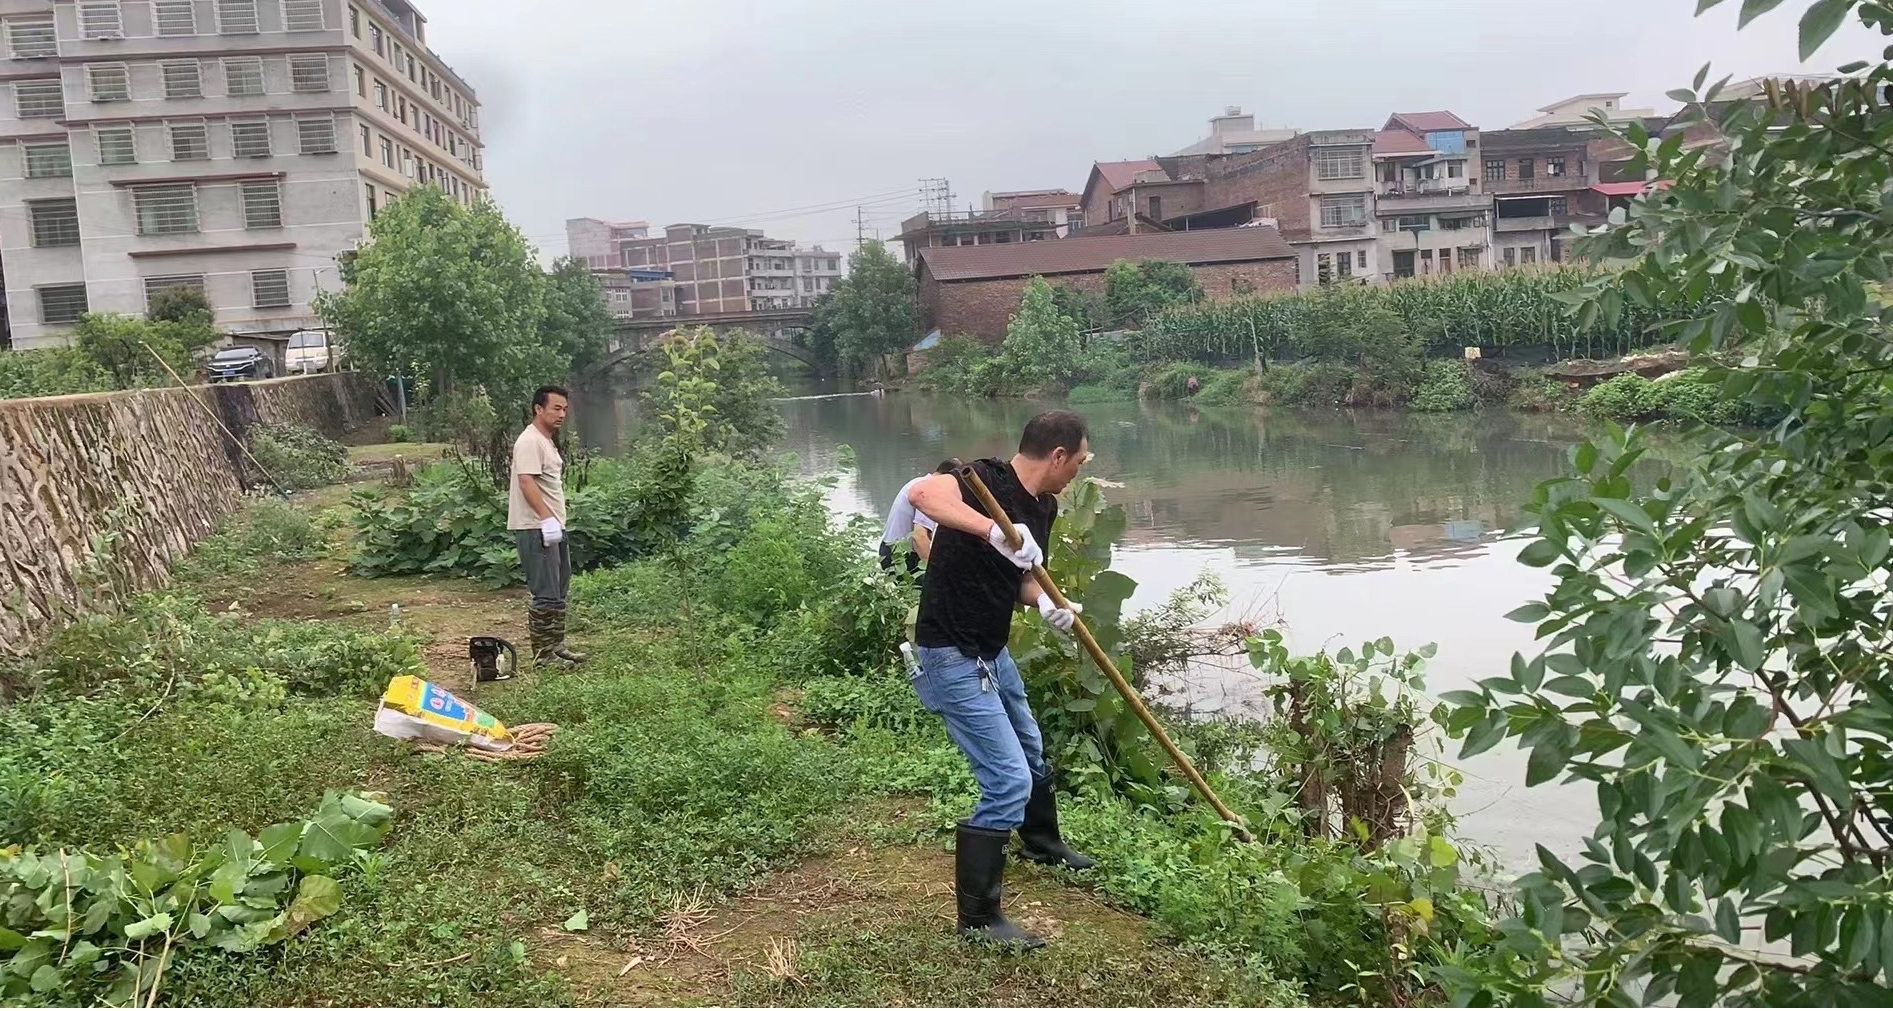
(548, 569)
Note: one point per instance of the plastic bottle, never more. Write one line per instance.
(394, 617)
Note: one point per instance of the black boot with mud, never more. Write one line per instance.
(979, 873)
(1043, 844)
(560, 650)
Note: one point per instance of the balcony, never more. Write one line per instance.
(1545, 222)
(1398, 199)
(1537, 184)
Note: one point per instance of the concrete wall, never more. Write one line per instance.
(983, 308)
(100, 494)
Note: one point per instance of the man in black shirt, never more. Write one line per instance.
(975, 581)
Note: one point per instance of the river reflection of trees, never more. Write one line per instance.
(1334, 487)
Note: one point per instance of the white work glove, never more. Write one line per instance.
(1026, 555)
(551, 531)
(1058, 617)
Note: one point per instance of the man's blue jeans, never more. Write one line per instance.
(987, 715)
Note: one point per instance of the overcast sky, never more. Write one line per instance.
(770, 113)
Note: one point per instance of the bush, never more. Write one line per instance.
(298, 457)
(270, 530)
(52, 372)
(1308, 384)
(962, 365)
(1628, 397)
(1444, 386)
(399, 433)
(453, 520)
(1224, 387)
(1536, 391)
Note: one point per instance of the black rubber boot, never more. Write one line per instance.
(1043, 843)
(979, 872)
(560, 650)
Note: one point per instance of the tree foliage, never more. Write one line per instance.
(1714, 656)
(871, 311)
(123, 345)
(447, 293)
(575, 320)
(1137, 290)
(1042, 346)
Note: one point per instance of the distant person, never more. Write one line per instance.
(905, 523)
(975, 581)
(1194, 386)
(535, 513)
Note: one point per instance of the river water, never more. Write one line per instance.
(1336, 527)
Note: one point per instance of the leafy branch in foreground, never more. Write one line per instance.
(82, 927)
(1715, 658)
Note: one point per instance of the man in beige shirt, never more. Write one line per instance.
(535, 513)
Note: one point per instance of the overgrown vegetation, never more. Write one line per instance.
(297, 456)
(869, 313)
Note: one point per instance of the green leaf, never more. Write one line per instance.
(1548, 758)
(1752, 9)
(1529, 613)
(1440, 852)
(279, 842)
(1703, 5)
(319, 896)
(1820, 22)
(1460, 697)
(1728, 924)
(1484, 735)
(1539, 554)
(1630, 513)
(1745, 644)
(46, 979)
(148, 926)
(1572, 686)
(578, 921)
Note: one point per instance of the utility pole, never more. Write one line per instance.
(860, 229)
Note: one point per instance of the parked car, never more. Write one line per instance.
(239, 363)
(311, 351)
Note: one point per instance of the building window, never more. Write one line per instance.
(100, 21)
(374, 34)
(381, 96)
(303, 16)
(355, 21)
(1524, 168)
(117, 145)
(1455, 170)
(61, 303)
(1468, 257)
(387, 152)
(1349, 211)
(190, 142)
(183, 79)
(367, 142)
(371, 199)
(1527, 254)
(32, 40)
(48, 161)
(175, 17)
(55, 222)
(1415, 223)
(250, 139)
(309, 72)
(1557, 205)
(154, 286)
(243, 75)
(237, 17)
(1156, 209)
(316, 134)
(269, 289)
(361, 82)
(1344, 264)
(108, 82)
(1494, 169)
(39, 99)
(1554, 165)
(1340, 163)
(1511, 256)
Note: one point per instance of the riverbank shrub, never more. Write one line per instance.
(1444, 386)
(1689, 395)
(299, 457)
(51, 372)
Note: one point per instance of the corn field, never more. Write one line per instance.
(1513, 308)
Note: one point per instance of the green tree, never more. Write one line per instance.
(575, 321)
(1042, 346)
(447, 293)
(1082, 306)
(183, 303)
(1136, 290)
(871, 311)
(1715, 658)
(123, 346)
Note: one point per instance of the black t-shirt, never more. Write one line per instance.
(971, 589)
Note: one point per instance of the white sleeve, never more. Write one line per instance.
(901, 518)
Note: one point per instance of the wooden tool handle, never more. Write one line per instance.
(1103, 660)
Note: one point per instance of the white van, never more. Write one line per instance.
(311, 351)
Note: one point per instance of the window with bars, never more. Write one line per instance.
(262, 203)
(309, 72)
(1344, 211)
(183, 79)
(108, 82)
(48, 161)
(117, 145)
(237, 17)
(250, 139)
(303, 16)
(165, 210)
(101, 21)
(316, 134)
(55, 222)
(243, 75)
(39, 99)
(32, 40)
(61, 303)
(190, 142)
(175, 17)
(269, 289)
(154, 286)
(1340, 163)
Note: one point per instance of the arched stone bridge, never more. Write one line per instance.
(632, 337)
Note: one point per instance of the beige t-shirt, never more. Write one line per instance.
(535, 454)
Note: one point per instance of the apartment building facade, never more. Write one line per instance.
(1433, 216)
(723, 269)
(596, 242)
(235, 146)
(1542, 181)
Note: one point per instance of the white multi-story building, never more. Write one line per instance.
(239, 146)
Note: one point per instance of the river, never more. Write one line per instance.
(1337, 527)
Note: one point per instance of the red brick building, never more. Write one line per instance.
(975, 290)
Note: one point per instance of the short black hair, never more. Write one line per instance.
(948, 466)
(544, 393)
(1053, 430)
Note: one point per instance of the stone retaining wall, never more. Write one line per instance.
(101, 493)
